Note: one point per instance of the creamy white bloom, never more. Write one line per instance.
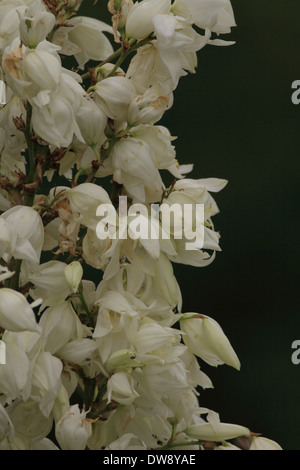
(35, 24)
(262, 443)
(216, 15)
(21, 63)
(15, 379)
(139, 19)
(206, 339)
(73, 430)
(84, 200)
(114, 95)
(26, 231)
(55, 121)
(91, 121)
(60, 325)
(149, 107)
(121, 388)
(84, 39)
(16, 314)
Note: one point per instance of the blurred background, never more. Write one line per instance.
(235, 120)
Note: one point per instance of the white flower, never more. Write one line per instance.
(50, 283)
(60, 324)
(15, 377)
(262, 443)
(216, 15)
(92, 121)
(139, 19)
(35, 24)
(149, 107)
(121, 388)
(84, 39)
(26, 232)
(206, 339)
(73, 430)
(15, 312)
(20, 65)
(114, 95)
(84, 201)
(55, 121)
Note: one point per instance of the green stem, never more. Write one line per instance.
(86, 308)
(28, 199)
(14, 280)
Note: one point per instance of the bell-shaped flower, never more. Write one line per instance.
(121, 388)
(84, 201)
(35, 24)
(46, 381)
(262, 443)
(27, 233)
(215, 15)
(134, 168)
(20, 65)
(177, 44)
(84, 38)
(50, 283)
(205, 338)
(73, 430)
(91, 121)
(139, 19)
(60, 324)
(114, 95)
(16, 314)
(10, 21)
(15, 373)
(149, 107)
(55, 121)
(79, 351)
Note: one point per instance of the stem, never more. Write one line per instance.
(109, 59)
(14, 280)
(85, 307)
(28, 199)
(89, 391)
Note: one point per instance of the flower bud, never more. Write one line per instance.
(114, 95)
(73, 274)
(15, 312)
(216, 431)
(206, 339)
(35, 24)
(73, 430)
(139, 20)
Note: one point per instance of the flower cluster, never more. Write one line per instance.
(112, 362)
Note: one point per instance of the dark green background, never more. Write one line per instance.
(234, 119)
